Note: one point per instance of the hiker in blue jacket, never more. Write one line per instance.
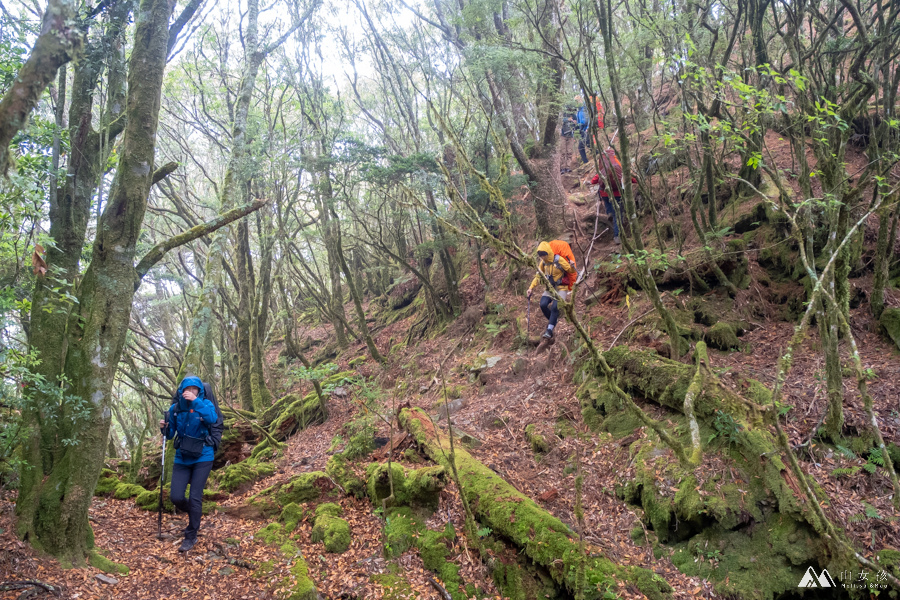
(189, 421)
(584, 141)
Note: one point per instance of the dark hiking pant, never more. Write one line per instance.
(584, 142)
(196, 475)
(611, 211)
(550, 309)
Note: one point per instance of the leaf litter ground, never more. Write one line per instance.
(538, 390)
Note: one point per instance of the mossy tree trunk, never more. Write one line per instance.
(69, 216)
(259, 322)
(52, 508)
(245, 290)
(884, 252)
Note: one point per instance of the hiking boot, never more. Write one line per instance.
(187, 544)
(616, 240)
(548, 334)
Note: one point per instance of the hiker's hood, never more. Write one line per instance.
(545, 247)
(190, 380)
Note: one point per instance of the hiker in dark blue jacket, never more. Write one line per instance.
(188, 421)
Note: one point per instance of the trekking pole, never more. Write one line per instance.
(613, 138)
(528, 318)
(162, 480)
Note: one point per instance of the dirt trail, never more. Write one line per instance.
(522, 388)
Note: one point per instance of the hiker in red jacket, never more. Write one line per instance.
(610, 180)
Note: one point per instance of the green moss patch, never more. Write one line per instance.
(291, 515)
(401, 529)
(330, 529)
(306, 487)
(339, 469)
(127, 490)
(98, 561)
(243, 473)
(412, 487)
(298, 584)
(537, 442)
(762, 563)
(722, 336)
(395, 586)
(106, 485)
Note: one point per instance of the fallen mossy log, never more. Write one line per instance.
(545, 539)
(293, 413)
(238, 435)
(647, 375)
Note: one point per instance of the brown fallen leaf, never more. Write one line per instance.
(37, 262)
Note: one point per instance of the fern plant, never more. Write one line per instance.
(845, 472)
(875, 460)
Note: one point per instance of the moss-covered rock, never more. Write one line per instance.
(779, 547)
(537, 442)
(722, 336)
(306, 487)
(243, 473)
(106, 485)
(418, 488)
(291, 515)
(124, 491)
(331, 529)
(149, 500)
(890, 321)
(338, 468)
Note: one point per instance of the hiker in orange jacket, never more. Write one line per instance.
(557, 262)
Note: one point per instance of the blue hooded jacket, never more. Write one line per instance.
(192, 419)
(582, 118)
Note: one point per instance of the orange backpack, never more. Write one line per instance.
(563, 249)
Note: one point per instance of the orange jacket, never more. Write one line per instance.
(564, 271)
